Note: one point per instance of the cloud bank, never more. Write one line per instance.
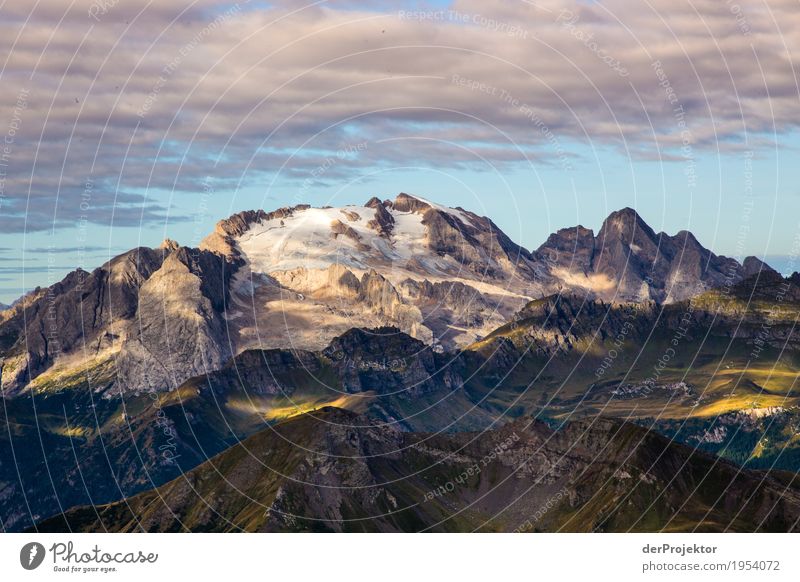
(110, 108)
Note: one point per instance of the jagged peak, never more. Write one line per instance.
(580, 230)
(383, 221)
(220, 240)
(625, 221)
(627, 212)
(626, 215)
(369, 333)
(238, 223)
(410, 203)
(169, 245)
(385, 341)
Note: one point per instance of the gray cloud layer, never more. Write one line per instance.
(108, 107)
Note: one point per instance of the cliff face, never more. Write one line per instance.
(155, 313)
(178, 331)
(84, 311)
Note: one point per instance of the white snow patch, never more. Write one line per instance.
(305, 239)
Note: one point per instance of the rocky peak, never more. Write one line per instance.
(380, 342)
(687, 237)
(387, 361)
(754, 265)
(628, 260)
(184, 334)
(169, 245)
(569, 248)
(627, 225)
(408, 203)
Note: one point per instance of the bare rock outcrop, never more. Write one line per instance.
(178, 331)
(387, 361)
(629, 261)
(81, 312)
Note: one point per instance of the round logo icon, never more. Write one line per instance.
(31, 555)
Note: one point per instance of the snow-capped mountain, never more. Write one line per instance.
(308, 274)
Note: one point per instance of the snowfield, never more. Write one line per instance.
(308, 240)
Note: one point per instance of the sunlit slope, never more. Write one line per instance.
(719, 357)
(336, 471)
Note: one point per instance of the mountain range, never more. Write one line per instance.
(326, 368)
(298, 277)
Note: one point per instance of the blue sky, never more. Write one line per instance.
(255, 111)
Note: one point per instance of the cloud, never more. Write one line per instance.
(21, 269)
(68, 250)
(111, 107)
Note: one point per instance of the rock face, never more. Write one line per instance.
(155, 313)
(179, 331)
(754, 266)
(453, 302)
(571, 249)
(84, 311)
(386, 361)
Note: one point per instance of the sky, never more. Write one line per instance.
(125, 122)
